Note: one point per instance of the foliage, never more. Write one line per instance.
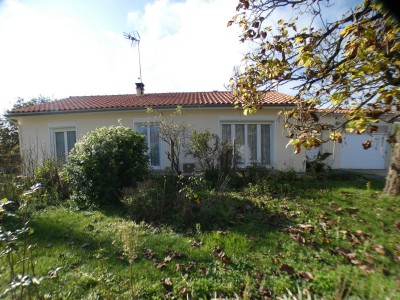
(104, 162)
(323, 239)
(53, 188)
(172, 133)
(17, 248)
(348, 65)
(152, 199)
(10, 159)
(205, 148)
(9, 150)
(12, 187)
(317, 165)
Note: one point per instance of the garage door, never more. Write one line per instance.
(353, 155)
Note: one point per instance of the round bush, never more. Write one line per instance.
(104, 162)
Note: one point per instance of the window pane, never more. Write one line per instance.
(154, 146)
(265, 144)
(60, 146)
(252, 142)
(142, 129)
(226, 133)
(239, 143)
(71, 139)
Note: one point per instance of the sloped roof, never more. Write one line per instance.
(133, 101)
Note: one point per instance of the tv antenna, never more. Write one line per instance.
(134, 37)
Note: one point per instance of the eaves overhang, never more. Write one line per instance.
(115, 109)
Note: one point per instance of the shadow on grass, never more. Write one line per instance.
(247, 214)
(83, 237)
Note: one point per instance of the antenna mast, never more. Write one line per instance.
(134, 37)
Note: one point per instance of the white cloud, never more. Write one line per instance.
(186, 46)
(45, 54)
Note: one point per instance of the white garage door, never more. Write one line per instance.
(353, 155)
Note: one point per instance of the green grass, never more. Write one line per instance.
(340, 232)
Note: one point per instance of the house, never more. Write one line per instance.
(350, 154)
(53, 128)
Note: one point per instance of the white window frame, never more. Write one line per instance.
(232, 122)
(146, 122)
(61, 127)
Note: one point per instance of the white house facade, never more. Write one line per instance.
(53, 128)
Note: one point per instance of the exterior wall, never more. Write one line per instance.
(35, 130)
(338, 158)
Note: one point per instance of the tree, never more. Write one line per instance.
(172, 133)
(9, 141)
(349, 64)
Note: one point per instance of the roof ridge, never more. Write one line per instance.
(133, 101)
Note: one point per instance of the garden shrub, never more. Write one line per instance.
(317, 166)
(104, 162)
(205, 149)
(53, 188)
(146, 202)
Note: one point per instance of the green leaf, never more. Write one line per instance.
(338, 97)
(298, 40)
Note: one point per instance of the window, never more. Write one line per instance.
(252, 142)
(151, 133)
(63, 140)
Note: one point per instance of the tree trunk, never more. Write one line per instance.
(392, 186)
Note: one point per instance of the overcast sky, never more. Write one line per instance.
(61, 48)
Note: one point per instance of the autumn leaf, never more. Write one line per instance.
(366, 268)
(167, 282)
(148, 253)
(286, 268)
(347, 254)
(191, 265)
(367, 144)
(173, 254)
(379, 249)
(167, 259)
(54, 273)
(306, 227)
(306, 275)
(196, 243)
(221, 232)
(265, 292)
(221, 255)
(160, 265)
(203, 270)
(184, 291)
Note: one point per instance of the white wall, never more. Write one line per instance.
(35, 130)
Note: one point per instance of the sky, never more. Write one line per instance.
(62, 48)
(58, 48)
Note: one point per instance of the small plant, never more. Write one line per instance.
(192, 188)
(205, 148)
(318, 166)
(104, 162)
(53, 188)
(131, 236)
(172, 133)
(145, 202)
(16, 247)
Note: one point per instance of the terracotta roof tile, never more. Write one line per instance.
(108, 102)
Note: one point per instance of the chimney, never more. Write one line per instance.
(139, 88)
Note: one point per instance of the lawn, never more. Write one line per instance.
(332, 238)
